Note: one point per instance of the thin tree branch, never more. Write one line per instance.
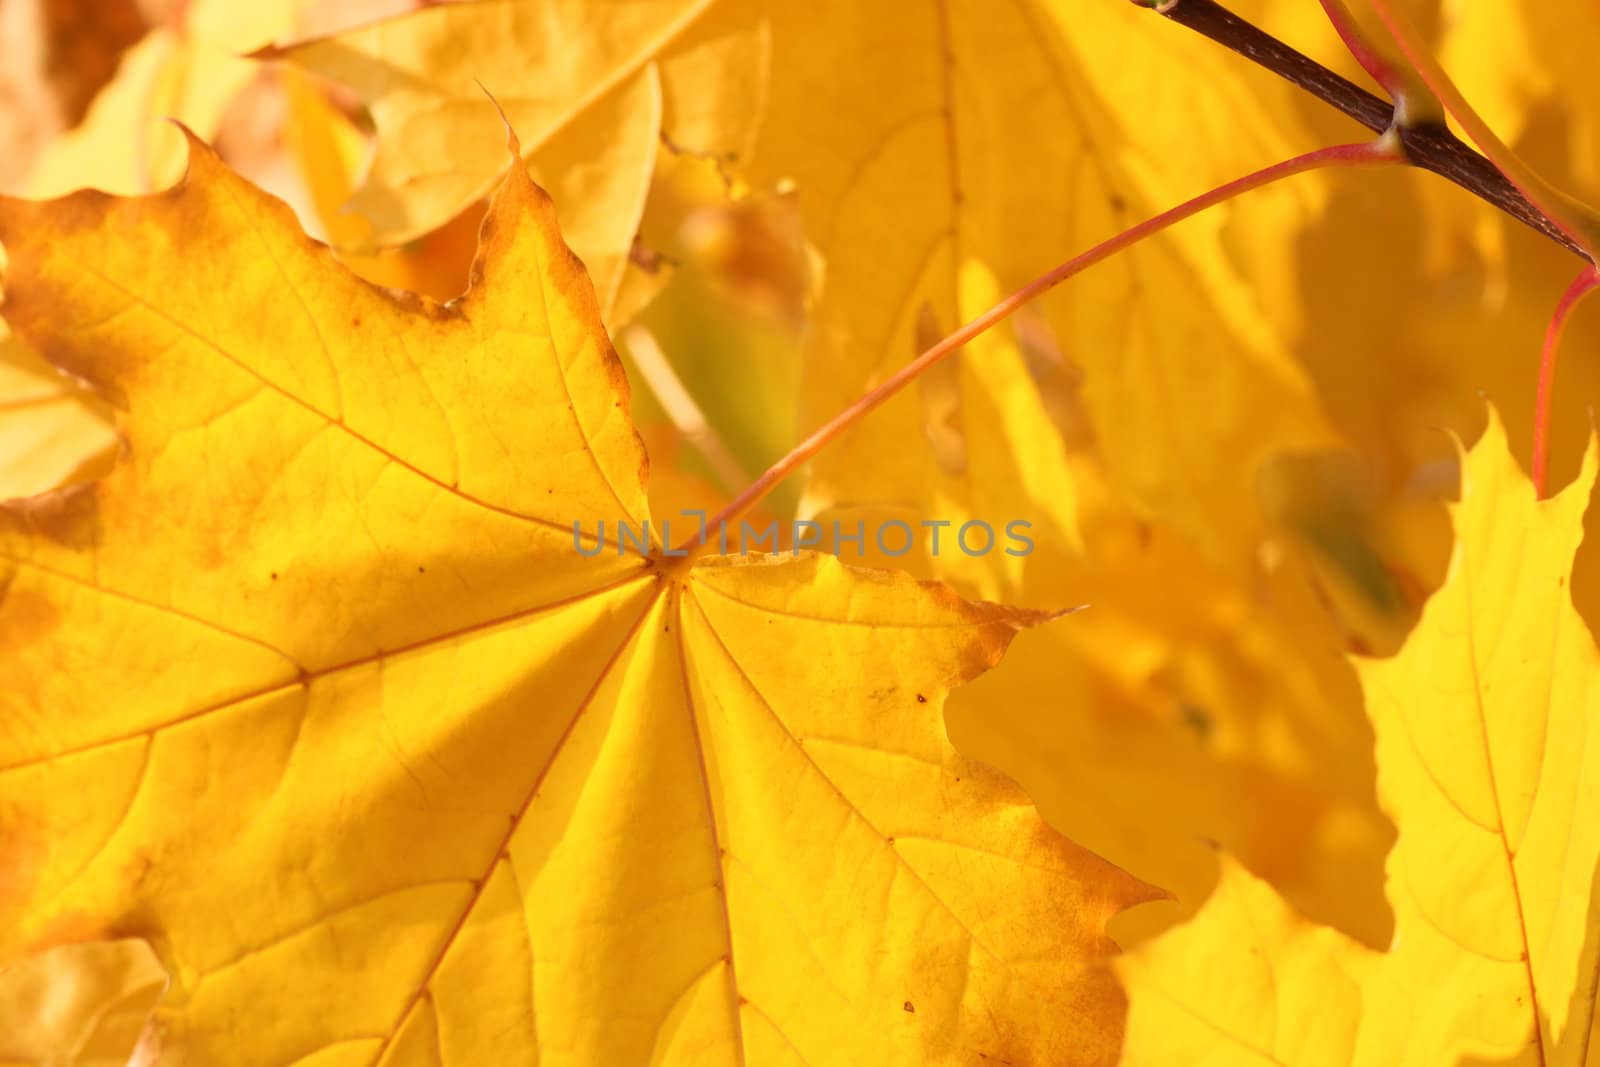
(1431, 147)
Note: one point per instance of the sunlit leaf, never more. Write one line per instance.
(388, 752)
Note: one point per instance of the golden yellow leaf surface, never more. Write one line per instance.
(316, 694)
(1487, 764)
(1310, 257)
(52, 430)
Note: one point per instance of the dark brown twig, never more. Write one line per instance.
(1431, 147)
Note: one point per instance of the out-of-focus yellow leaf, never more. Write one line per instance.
(78, 1005)
(574, 72)
(943, 189)
(1487, 764)
(1517, 64)
(598, 171)
(1218, 708)
(729, 275)
(54, 57)
(1363, 511)
(52, 431)
(1405, 299)
(1249, 982)
(327, 153)
(78, 44)
(190, 72)
(388, 754)
(1578, 220)
(328, 150)
(1329, 255)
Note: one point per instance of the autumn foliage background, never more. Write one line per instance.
(1313, 767)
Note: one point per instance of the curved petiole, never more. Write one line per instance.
(1381, 70)
(1385, 149)
(1584, 284)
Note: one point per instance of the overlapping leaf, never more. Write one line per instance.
(52, 430)
(1217, 712)
(570, 74)
(78, 1005)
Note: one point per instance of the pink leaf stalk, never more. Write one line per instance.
(1381, 70)
(1584, 284)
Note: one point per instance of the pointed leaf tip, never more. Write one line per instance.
(513, 145)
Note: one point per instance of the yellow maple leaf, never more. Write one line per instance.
(315, 693)
(1486, 763)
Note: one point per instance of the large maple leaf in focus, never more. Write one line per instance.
(315, 693)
